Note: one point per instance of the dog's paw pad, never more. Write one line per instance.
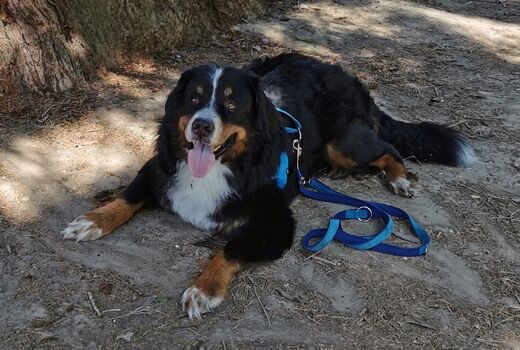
(195, 302)
(82, 229)
(403, 187)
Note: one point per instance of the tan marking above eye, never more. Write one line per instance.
(200, 90)
(228, 91)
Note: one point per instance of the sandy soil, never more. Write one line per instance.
(456, 62)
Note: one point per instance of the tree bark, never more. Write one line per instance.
(54, 45)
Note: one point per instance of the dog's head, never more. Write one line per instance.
(214, 112)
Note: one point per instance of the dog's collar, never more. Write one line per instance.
(283, 171)
(283, 167)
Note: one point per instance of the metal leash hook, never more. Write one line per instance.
(296, 146)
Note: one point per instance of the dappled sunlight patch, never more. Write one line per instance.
(501, 39)
(281, 34)
(122, 120)
(102, 151)
(142, 65)
(16, 202)
(127, 85)
(140, 78)
(338, 19)
(323, 27)
(34, 178)
(312, 28)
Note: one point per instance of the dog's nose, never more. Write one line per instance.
(202, 127)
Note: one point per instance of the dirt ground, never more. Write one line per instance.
(456, 62)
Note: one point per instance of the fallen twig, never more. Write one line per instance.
(141, 310)
(93, 303)
(262, 305)
(483, 194)
(420, 324)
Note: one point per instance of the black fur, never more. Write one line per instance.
(255, 224)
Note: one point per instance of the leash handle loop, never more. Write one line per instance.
(323, 193)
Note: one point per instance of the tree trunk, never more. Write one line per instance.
(53, 45)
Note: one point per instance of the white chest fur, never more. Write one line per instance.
(196, 199)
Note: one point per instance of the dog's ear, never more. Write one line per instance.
(265, 117)
(175, 98)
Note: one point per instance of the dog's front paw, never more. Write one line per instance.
(196, 302)
(82, 229)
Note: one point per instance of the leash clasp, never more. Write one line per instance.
(304, 182)
(298, 148)
(369, 213)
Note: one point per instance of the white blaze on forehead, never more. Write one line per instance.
(215, 76)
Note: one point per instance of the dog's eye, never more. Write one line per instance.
(195, 100)
(230, 105)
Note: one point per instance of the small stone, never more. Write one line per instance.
(127, 336)
(105, 288)
(517, 163)
(265, 41)
(45, 336)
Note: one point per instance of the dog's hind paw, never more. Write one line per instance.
(403, 187)
(82, 229)
(195, 302)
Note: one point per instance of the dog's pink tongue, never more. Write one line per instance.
(200, 159)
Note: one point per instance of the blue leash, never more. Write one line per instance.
(315, 189)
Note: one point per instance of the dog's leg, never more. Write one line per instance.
(358, 148)
(266, 234)
(399, 180)
(340, 164)
(211, 286)
(100, 222)
(104, 220)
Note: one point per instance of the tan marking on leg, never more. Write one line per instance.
(216, 276)
(101, 221)
(393, 168)
(337, 160)
(211, 286)
(111, 216)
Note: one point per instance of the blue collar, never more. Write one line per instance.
(283, 171)
(283, 167)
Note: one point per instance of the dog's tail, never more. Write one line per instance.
(427, 142)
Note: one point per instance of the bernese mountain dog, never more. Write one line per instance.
(218, 153)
